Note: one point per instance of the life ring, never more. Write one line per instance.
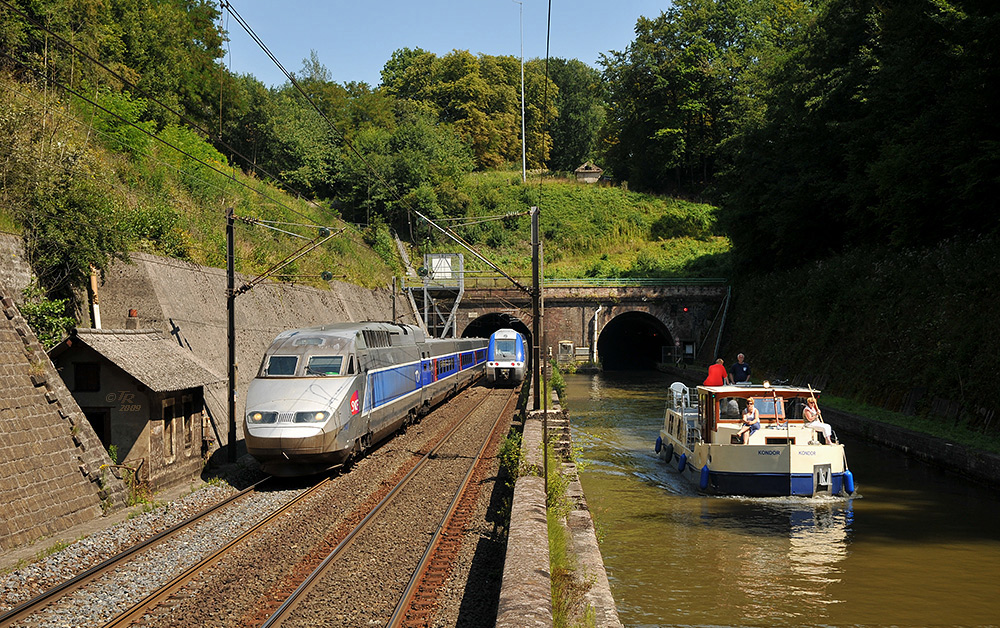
(682, 463)
(659, 444)
(849, 482)
(703, 482)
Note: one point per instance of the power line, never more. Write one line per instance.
(225, 5)
(149, 96)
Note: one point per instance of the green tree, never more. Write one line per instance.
(48, 318)
(580, 103)
(479, 97)
(875, 132)
(686, 84)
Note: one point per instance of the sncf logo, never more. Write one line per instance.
(355, 404)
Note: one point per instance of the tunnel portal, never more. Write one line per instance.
(632, 341)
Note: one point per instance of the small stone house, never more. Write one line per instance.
(588, 173)
(144, 395)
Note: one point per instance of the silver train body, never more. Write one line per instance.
(506, 358)
(326, 394)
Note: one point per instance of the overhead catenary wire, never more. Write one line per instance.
(228, 6)
(145, 94)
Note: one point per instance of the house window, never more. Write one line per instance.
(168, 430)
(188, 422)
(86, 376)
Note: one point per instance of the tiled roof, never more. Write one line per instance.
(145, 354)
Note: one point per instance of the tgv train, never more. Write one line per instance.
(324, 395)
(506, 357)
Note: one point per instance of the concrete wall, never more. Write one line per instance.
(189, 302)
(15, 273)
(50, 458)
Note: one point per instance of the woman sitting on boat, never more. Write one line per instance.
(813, 419)
(751, 422)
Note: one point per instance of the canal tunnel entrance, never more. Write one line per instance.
(632, 341)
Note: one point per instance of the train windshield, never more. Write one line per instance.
(324, 365)
(506, 348)
(282, 365)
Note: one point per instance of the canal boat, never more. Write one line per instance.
(701, 438)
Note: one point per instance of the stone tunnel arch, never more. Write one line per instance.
(486, 324)
(633, 341)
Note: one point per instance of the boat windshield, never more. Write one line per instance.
(770, 407)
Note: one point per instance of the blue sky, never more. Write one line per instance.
(354, 39)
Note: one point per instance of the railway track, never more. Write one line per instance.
(356, 561)
(244, 581)
(84, 579)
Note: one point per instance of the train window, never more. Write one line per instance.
(282, 365)
(325, 365)
(350, 366)
(308, 341)
(505, 348)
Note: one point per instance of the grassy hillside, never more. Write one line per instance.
(588, 230)
(84, 187)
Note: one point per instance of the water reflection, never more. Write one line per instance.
(915, 547)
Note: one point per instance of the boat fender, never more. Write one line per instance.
(659, 444)
(703, 482)
(668, 452)
(682, 463)
(849, 482)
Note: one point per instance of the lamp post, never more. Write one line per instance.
(524, 158)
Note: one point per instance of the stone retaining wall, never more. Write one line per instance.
(51, 475)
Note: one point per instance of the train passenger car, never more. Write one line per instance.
(506, 358)
(325, 395)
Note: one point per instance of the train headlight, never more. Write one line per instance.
(311, 417)
(259, 418)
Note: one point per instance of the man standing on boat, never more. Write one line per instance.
(717, 375)
(740, 370)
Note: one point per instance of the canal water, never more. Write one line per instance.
(914, 546)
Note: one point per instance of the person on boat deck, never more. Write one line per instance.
(813, 419)
(717, 375)
(751, 422)
(740, 370)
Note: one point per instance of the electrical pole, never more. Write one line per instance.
(536, 312)
(524, 158)
(231, 334)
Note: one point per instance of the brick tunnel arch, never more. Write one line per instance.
(486, 324)
(633, 341)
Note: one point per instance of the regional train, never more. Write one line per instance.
(506, 361)
(325, 395)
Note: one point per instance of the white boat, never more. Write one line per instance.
(700, 438)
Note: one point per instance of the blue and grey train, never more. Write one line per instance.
(324, 395)
(506, 361)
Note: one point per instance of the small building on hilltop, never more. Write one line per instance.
(144, 395)
(588, 173)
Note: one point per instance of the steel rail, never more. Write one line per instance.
(50, 596)
(409, 596)
(188, 574)
(307, 585)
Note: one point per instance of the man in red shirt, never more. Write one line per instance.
(717, 375)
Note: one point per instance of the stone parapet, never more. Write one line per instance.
(526, 592)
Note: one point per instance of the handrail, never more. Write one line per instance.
(473, 282)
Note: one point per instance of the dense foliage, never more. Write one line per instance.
(878, 130)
